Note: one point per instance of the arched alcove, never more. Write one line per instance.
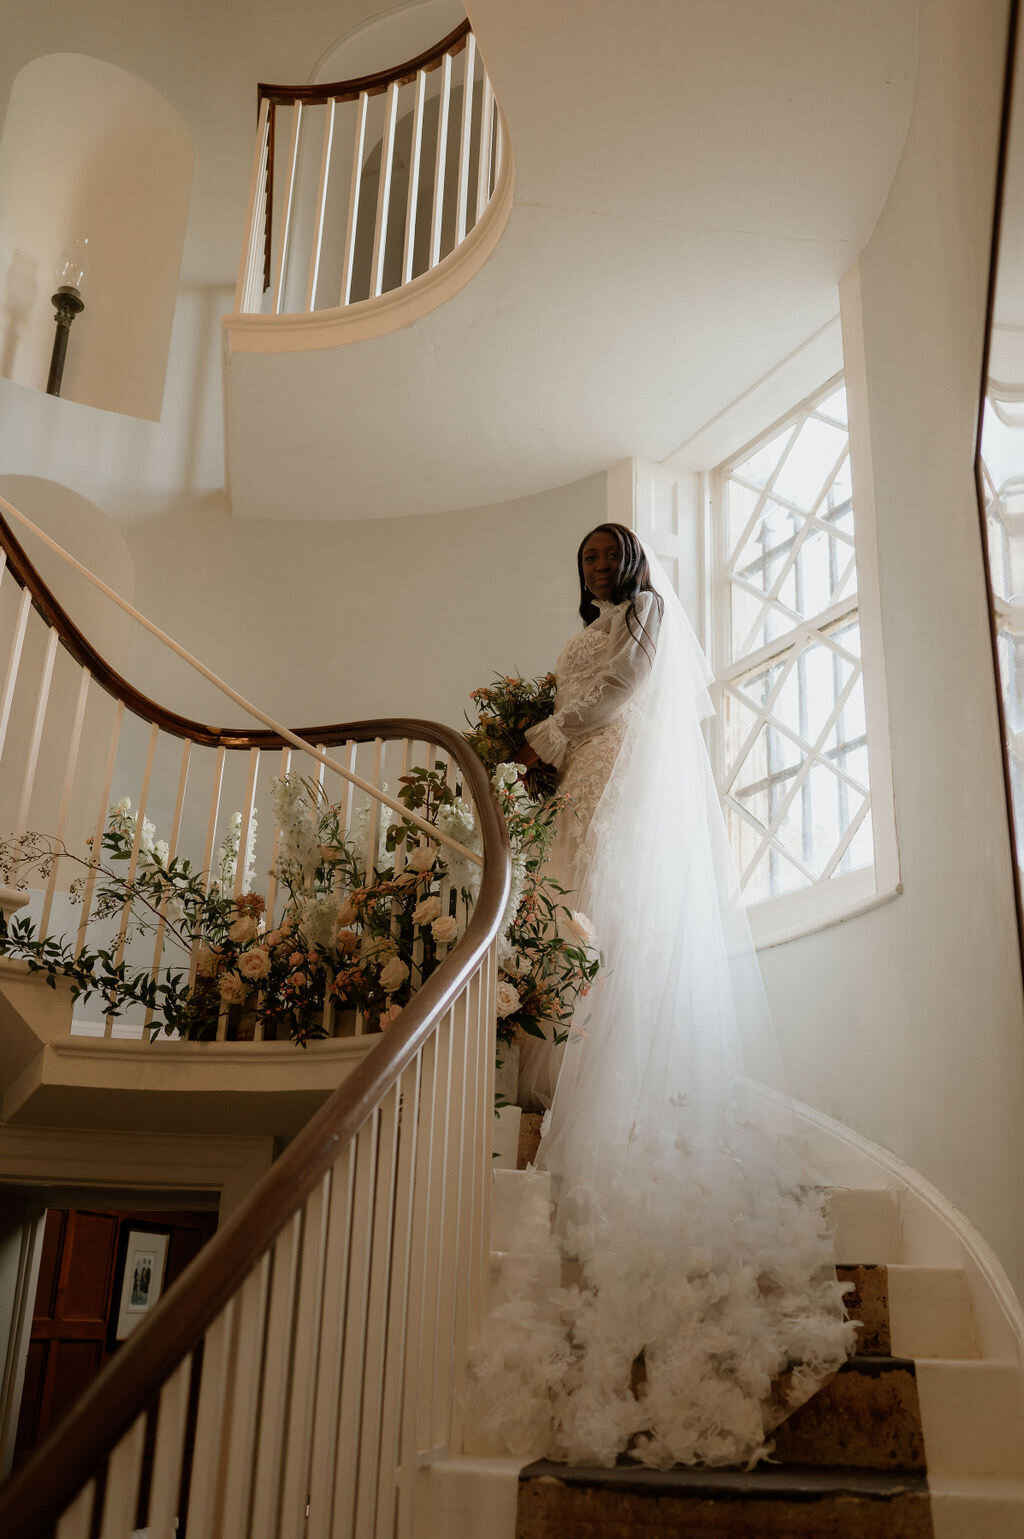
(383, 40)
(90, 150)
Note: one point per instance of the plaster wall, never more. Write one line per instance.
(906, 1023)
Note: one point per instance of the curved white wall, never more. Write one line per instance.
(906, 1023)
(89, 149)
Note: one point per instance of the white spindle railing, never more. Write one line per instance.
(305, 247)
(320, 1339)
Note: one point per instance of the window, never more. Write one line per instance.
(1003, 491)
(791, 739)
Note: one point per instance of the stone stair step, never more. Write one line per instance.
(867, 1417)
(630, 1502)
(867, 1225)
(930, 1313)
(977, 1509)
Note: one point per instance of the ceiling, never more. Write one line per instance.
(691, 182)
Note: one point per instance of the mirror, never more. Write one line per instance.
(1000, 460)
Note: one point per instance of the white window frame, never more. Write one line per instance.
(833, 899)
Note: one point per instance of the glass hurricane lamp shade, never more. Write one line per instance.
(67, 303)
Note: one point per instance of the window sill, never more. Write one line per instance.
(779, 920)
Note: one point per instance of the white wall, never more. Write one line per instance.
(906, 1023)
(339, 621)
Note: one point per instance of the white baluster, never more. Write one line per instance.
(165, 1488)
(246, 1398)
(250, 272)
(314, 1290)
(74, 743)
(247, 815)
(133, 863)
(172, 850)
(462, 203)
(399, 1297)
(286, 762)
(387, 157)
(268, 1464)
(353, 201)
(451, 1299)
(433, 1304)
(332, 1349)
(287, 204)
(13, 665)
(36, 736)
(416, 1366)
(121, 1496)
(440, 161)
(377, 1320)
(483, 164)
(321, 204)
(76, 1521)
(354, 1338)
(96, 850)
(415, 163)
(212, 1425)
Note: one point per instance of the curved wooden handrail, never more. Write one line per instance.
(33, 1499)
(373, 85)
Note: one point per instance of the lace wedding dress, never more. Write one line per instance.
(707, 1307)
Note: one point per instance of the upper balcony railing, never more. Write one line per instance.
(362, 186)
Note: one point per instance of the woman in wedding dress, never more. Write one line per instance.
(708, 1306)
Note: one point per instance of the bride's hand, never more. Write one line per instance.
(527, 757)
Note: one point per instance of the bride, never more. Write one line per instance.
(707, 1307)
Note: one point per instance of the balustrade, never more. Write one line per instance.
(361, 186)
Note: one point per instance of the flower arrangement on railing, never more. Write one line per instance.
(358, 935)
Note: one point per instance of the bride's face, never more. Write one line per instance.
(600, 560)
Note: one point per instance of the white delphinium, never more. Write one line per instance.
(299, 846)
(227, 856)
(318, 920)
(457, 821)
(515, 897)
(361, 832)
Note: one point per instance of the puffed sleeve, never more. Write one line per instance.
(627, 663)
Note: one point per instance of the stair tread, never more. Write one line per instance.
(789, 1482)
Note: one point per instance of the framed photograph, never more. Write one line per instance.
(142, 1276)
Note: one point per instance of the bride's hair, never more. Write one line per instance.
(634, 577)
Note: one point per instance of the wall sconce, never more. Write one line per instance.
(67, 303)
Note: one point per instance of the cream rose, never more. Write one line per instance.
(232, 989)
(242, 930)
(421, 859)
(254, 964)
(578, 931)
(444, 929)
(426, 911)
(508, 999)
(393, 974)
(348, 912)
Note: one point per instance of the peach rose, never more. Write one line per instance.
(426, 911)
(242, 930)
(445, 929)
(348, 912)
(254, 964)
(386, 1017)
(393, 974)
(232, 989)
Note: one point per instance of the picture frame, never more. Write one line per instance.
(142, 1266)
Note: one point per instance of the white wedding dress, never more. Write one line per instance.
(708, 1306)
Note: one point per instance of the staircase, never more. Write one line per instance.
(920, 1436)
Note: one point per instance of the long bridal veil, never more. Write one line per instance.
(708, 1301)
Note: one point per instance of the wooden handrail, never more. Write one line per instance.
(33, 1499)
(373, 85)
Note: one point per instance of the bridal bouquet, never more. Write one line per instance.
(505, 709)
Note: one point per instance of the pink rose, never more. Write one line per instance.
(387, 1016)
(348, 942)
(296, 959)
